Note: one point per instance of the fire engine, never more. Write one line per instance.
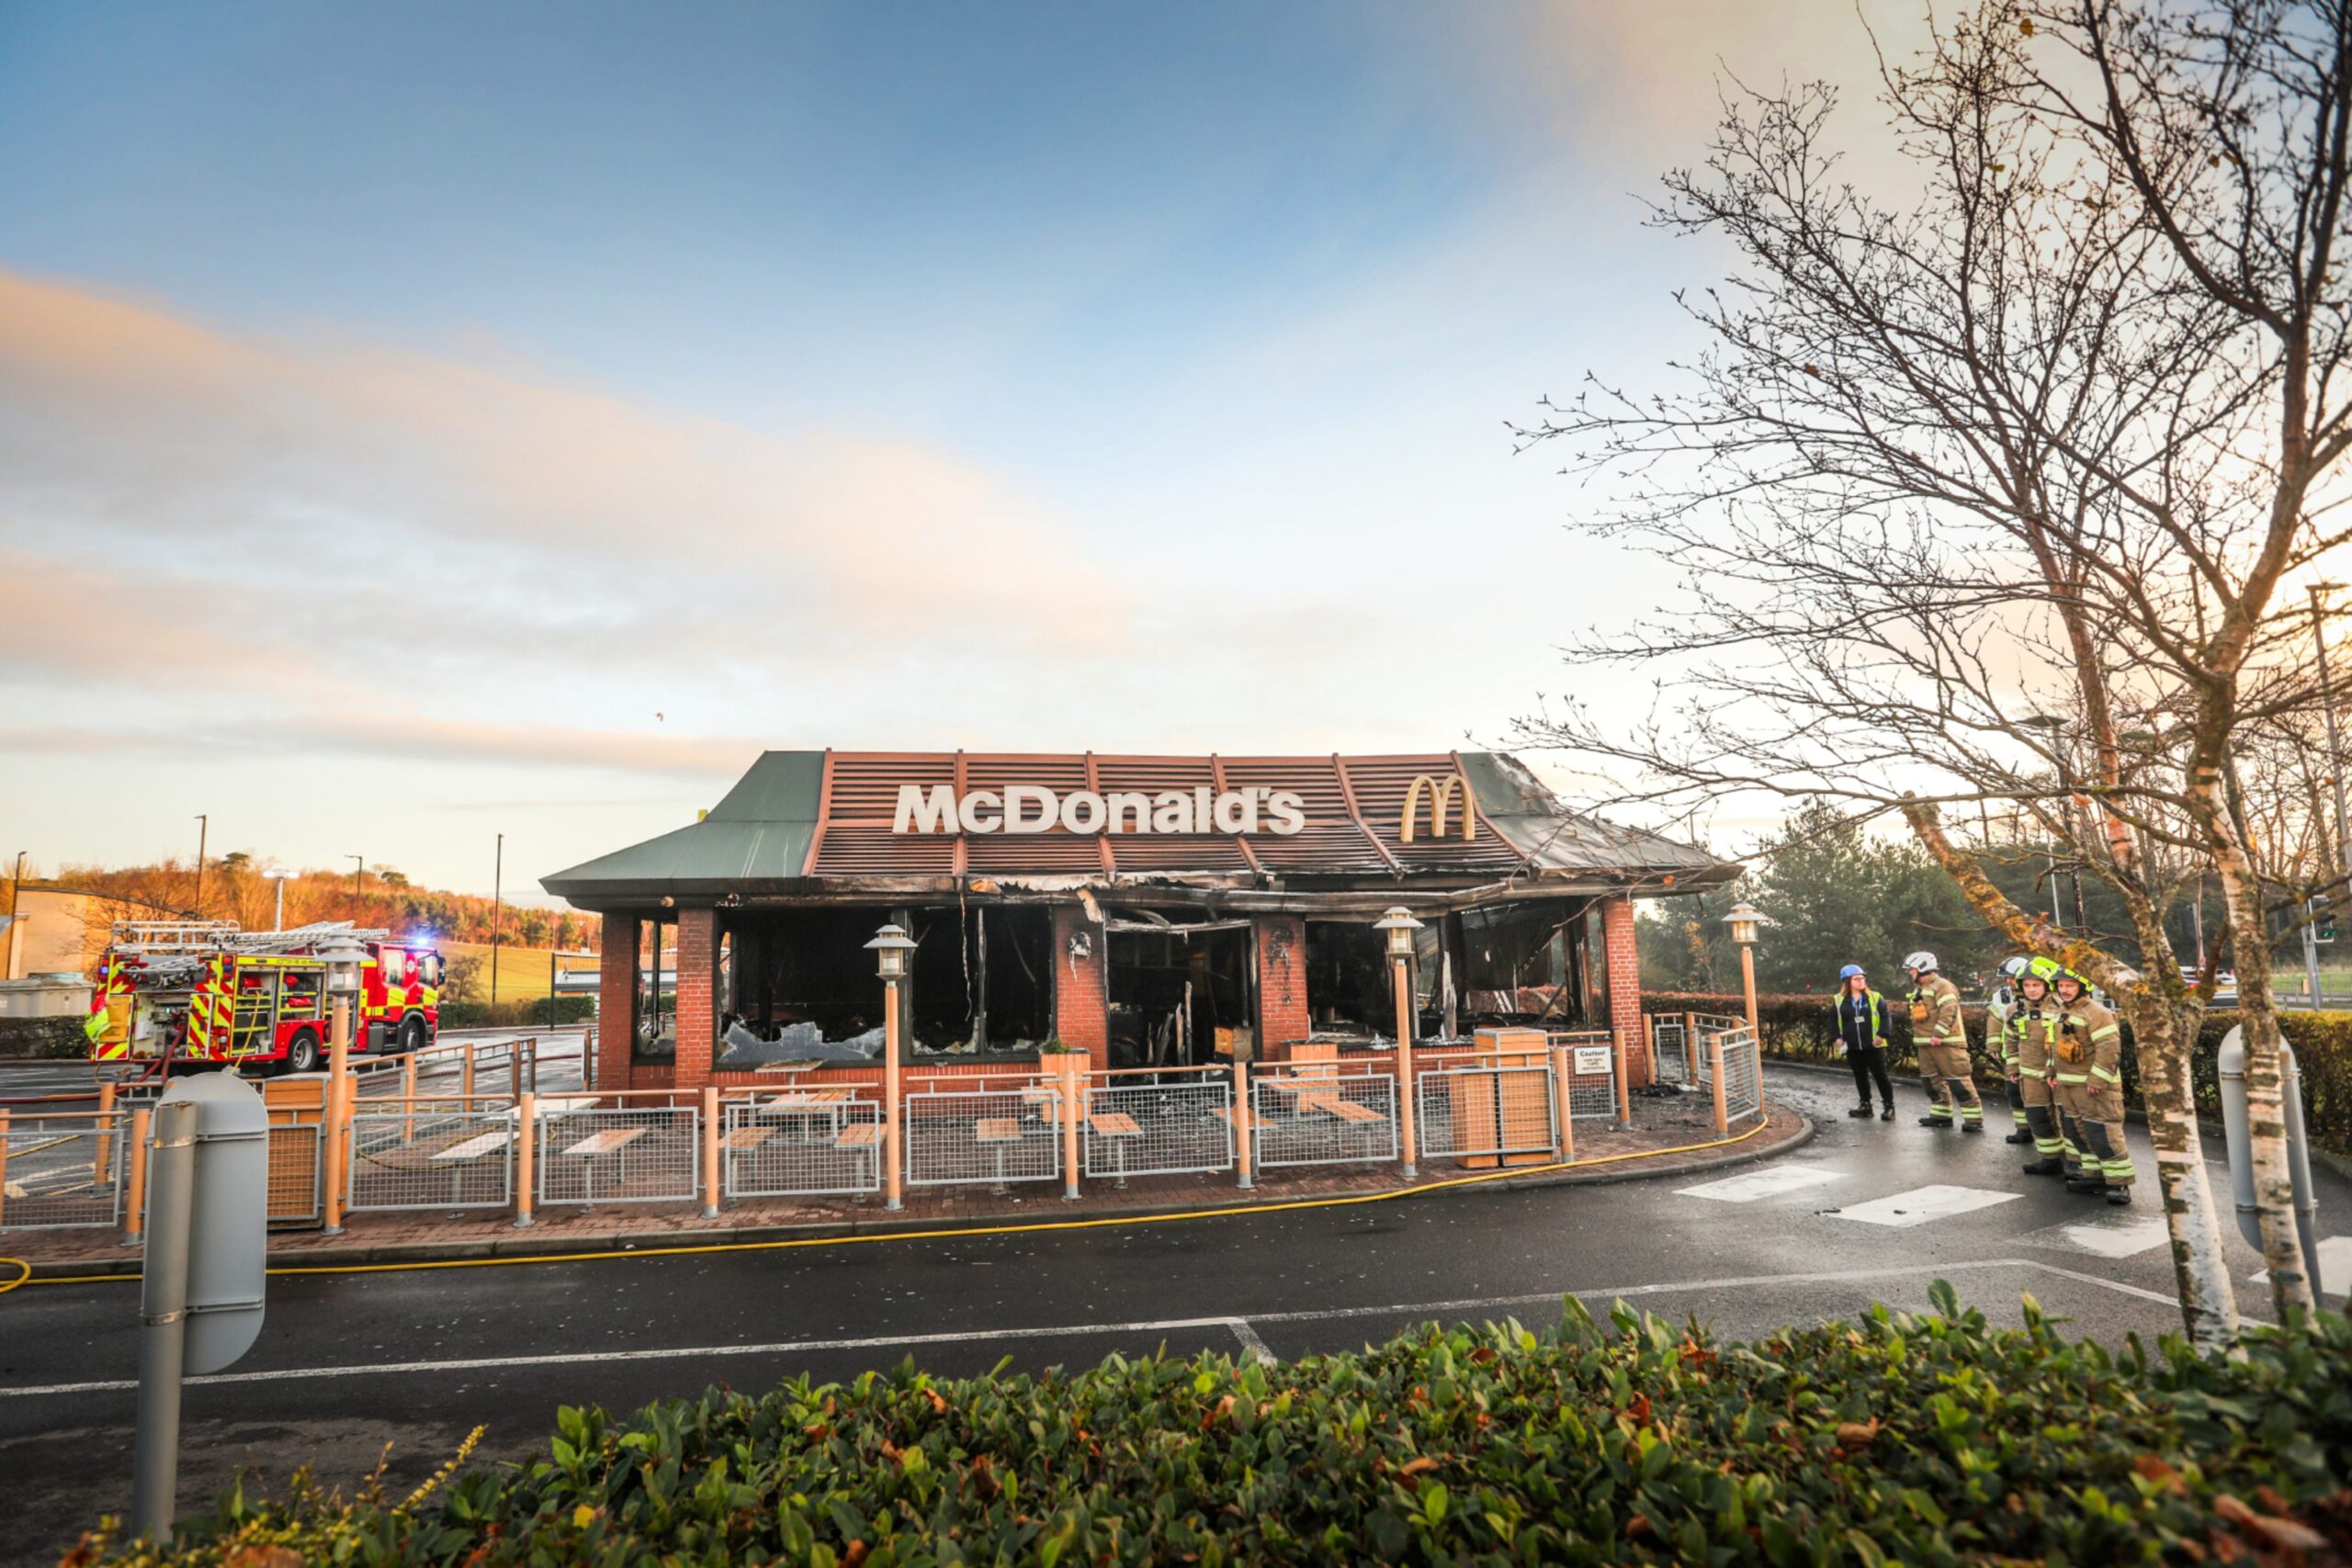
(178, 993)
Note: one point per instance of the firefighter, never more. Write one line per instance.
(2028, 1039)
(1937, 1029)
(2087, 1072)
(1998, 1013)
(1859, 1014)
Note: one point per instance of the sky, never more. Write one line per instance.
(424, 423)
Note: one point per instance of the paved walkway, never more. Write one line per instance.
(1672, 1133)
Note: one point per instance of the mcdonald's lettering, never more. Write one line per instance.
(1032, 809)
(1440, 794)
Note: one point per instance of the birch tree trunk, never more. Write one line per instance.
(2208, 1307)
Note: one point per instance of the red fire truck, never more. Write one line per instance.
(188, 992)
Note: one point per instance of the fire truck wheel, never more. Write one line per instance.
(412, 1036)
(302, 1052)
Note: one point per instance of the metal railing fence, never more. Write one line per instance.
(61, 1169)
(1179, 1125)
(998, 1136)
(1742, 1086)
(626, 1153)
(1493, 1109)
(800, 1144)
(1321, 1118)
(449, 1153)
(1591, 1071)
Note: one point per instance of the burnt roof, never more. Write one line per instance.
(820, 823)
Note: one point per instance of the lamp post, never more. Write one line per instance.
(203, 828)
(358, 869)
(1399, 924)
(343, 956)
(278, 875)
(891, 946)
(15, 888)
(497, 882)
(1743, 922)
(2335, 746)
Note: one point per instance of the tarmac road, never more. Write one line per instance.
(349, 1364)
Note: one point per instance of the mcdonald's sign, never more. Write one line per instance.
(1440, 795)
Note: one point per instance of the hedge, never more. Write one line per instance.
(520, 1014)
(54, 1038)
(1797, 1029)
(1920, 1440)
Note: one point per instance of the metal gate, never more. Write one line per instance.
(794, 1144)
(430, 1156)
(629, 1154)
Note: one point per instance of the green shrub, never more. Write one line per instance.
(1931, 1439)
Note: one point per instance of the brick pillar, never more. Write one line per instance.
(1624, 960)
(1282, 983)
(697, 996)
(1082, 986)
(617, 985)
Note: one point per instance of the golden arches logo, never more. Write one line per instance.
(1440, 794)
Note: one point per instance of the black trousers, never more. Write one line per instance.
(1868, 1062)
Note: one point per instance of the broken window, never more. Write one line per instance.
(1518, 962)
(1180, 995)
(1347, 980)
(983, 978)
(801, 986)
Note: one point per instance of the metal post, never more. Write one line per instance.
(1624, 1085)
(1715, 1062)
(2311, 953)
(1073, 1109)
(331, 1135)
(1748, 980)
(466, 1073)
(1405, 1067)
(163, 1335)
(408, 1098)
(497, 882)
(526, 1155)
(2236, 1133)
(1241, 1120)
(2335, 746)
(1564, 1061)
(4, 1167)
(134, 1208)
(102, 1162)
(203, 828)
(514, 1069)
(710, 1152)
(891, 1128)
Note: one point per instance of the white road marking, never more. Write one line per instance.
(1921, 1204)
(1251, 1342)
(1239, 1328)
(2119, 1236)
(2334, 1267)
(1769, 1182)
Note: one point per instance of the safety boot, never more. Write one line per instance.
(1971, 1126)
(1935, 1121)
(2022, 1135)
(2118, 1196)
(1862, 1109)
(2045, 1167)
(2090, 1185)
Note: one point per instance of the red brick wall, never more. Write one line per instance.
(1282, 983)
(1082, 986)
(617, 984)
(697, 983)
(1624, 968)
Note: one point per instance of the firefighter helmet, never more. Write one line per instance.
(1922, 961)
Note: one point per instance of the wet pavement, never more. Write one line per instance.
(1868, 1211)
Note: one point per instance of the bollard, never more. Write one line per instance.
(1715, 1072)
(1073, 1111)
(330, 1136)
(466, 1072)
(1624, 1083)
(162, 1336)
(527, 1156)
(101, 1163)
(1241, 1122)
(408, 1098)
(134, 1213)
(709, 1153)
(1564, 1061)
(4, 1169)
(1405, 1095)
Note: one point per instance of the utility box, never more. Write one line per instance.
(1508, 1109)
(297, 1105)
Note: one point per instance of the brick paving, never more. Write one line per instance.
(1663, 1120)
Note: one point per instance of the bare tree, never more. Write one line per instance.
(1959, 486)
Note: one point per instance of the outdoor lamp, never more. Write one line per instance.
(1743, 922)
(343, 955)
(891, 946)
(1399, 924)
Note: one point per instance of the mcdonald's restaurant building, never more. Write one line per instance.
(1151, 911)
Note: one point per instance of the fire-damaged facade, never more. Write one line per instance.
(1150, 911)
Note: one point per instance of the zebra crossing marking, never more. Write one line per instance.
(1770, 1181)
(1921, 1204)
(2334, 1267)
(2120, 1235)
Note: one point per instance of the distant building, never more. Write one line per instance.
(1149, 910)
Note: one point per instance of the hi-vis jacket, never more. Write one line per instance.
(1935, 1013)
(2089, 1049)
(2031, 1037)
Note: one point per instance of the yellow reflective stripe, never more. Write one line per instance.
(2073, 1078)
(2111, 1077)
(2111, 1030)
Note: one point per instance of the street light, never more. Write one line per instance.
(15, 888)
(1399, 924)
(1743, 920)
(342, 954)
(278, 875)
(892, 947)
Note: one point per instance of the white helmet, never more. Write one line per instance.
(1924, 962)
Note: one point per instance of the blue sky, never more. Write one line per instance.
(517, 416)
